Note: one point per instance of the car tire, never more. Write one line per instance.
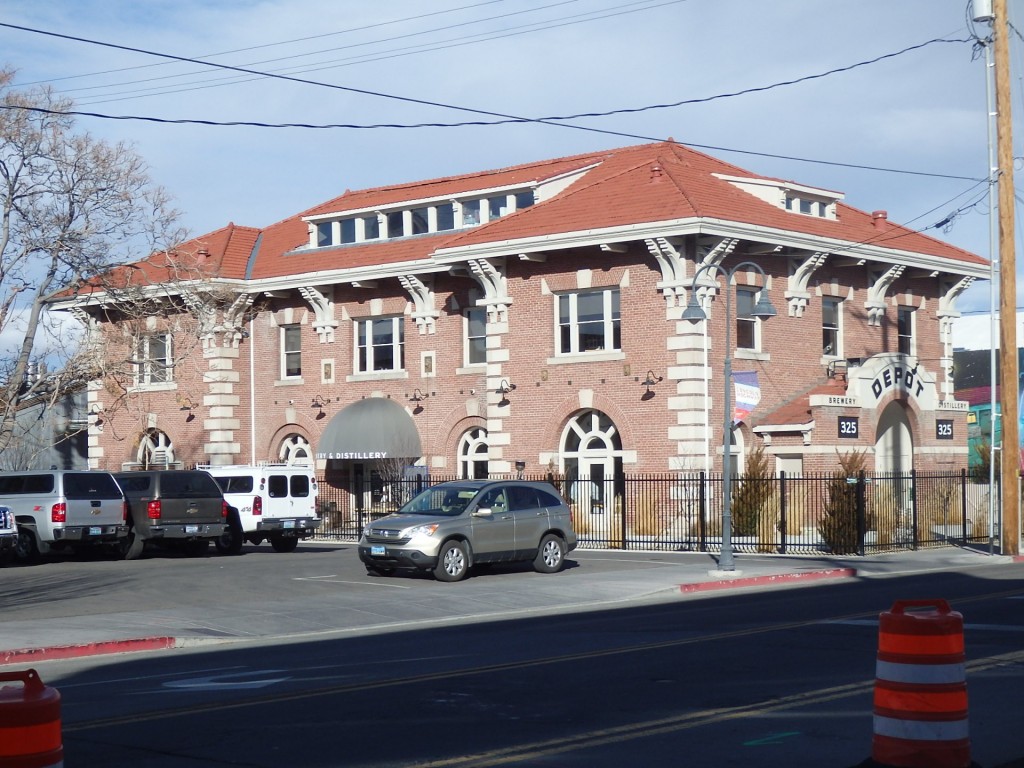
(25, 548)
(550, 554)
(452, 562)
(230, 542)
(131, 546)
(284, 543)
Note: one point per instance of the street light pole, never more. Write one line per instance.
(694, 312)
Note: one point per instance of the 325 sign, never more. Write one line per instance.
(943, 429)
(849, 427)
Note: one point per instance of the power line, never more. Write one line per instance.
(505, 119)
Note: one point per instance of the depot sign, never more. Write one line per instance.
(897, 376)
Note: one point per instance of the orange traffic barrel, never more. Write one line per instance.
(920, 708)
(30, 735)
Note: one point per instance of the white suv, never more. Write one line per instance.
(273, 502)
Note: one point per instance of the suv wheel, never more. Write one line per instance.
(25, 548)
(230, 542)
(452, 562)
(550, 555)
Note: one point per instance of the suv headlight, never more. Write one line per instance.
(422, 530)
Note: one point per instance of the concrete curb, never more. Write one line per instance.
(760, 581)
(87, 649)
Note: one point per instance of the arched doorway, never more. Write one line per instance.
(591, 456)
(894, 443)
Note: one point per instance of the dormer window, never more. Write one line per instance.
(323, 234)
(445, 217)
(470, 213)
(348, 230)
(807, 206)
(371, 227)
(425, 218)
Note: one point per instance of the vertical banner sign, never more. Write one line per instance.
(747, 394)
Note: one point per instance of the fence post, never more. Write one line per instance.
(916, 540)
(861, 513)
(963, 505)
(702, 525)
(782, 512)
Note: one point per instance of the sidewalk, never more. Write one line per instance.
(356, 606)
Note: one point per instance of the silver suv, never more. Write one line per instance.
(450, 527)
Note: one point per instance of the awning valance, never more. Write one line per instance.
(369, 429)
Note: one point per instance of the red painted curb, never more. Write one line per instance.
(86, 649)
(779, 578)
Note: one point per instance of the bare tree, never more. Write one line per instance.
(72, 207)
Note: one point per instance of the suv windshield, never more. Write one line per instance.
(444, 501)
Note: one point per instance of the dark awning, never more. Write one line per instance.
(374, 428)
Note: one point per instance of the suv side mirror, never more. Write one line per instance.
(482, 512)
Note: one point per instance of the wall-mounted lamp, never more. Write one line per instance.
(318, 403)
(503, 389)
(649, 382)
(520, 468)
(97, 411)
(417, 397)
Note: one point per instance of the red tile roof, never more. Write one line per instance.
(644, 184)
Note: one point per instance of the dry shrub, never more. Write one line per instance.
(580, 521)
(646, 522)
(884, 513)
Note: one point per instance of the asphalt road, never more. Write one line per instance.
(470, 675)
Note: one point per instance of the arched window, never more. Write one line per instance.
(295, 449)
(591, 458)
(155, 450)
(473, 454)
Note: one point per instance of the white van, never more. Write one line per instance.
(276, 502)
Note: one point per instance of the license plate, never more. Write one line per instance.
(191, 529)
(289, 523)
(378, 551)
(95, 531)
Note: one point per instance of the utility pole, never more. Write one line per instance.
(1008, 368)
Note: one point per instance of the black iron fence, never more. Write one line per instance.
(864, 514)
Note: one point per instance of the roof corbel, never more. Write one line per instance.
(424, 312)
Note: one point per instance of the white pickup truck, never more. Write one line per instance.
(272, 502)
(63, 510)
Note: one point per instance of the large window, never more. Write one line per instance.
(831, 329)
(153, 359)
(380, 345)
(291, 351)
(588, 322)
(476, 336)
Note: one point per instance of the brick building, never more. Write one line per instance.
(532, 318)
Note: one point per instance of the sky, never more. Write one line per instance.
(824, 94)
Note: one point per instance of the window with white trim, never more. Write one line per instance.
(475, 338)
(748, 327)
(831, 327)
(380, 345)
(588, 322)
(154, 364)
(291, 351)
(905, 330)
